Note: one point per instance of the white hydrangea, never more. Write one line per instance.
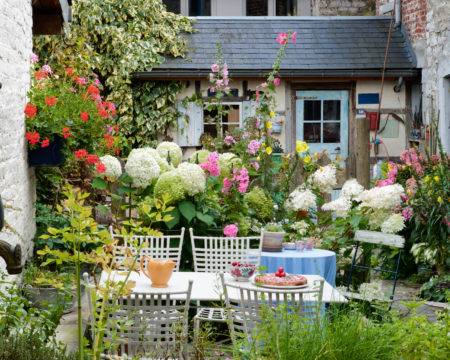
(301, 200)
(113, 167)
(227, 161)
(393, 224)
(193, 177)
(385, 197)
(351, 189)
(324, 179)
(142, 168)
(301, 227)
(167, 147)
(341, 206)
(423, 253)
(377, 217)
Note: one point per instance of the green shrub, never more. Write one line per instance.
(29, 346)
(260, 204)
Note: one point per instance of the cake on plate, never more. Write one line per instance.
(280, 278)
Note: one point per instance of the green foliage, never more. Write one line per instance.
(122, 37)
(433, 291)
(29, 346)
(260, 204)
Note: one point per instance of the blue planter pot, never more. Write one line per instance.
(51, 155)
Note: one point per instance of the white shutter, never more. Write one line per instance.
(248, 109)
(190, 125)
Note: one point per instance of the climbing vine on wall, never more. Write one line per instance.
(122, 37)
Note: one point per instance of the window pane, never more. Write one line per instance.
(233, 115)
(311, 132)
(257, 8)
(229, 128)
(331, 132)
(199, 7)
(311, 110)
(173, 6)
(332, 110)
(286, 8)
(210, 129)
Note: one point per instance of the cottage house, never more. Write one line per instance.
(329, 77)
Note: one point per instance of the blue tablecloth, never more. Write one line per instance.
(308, 262)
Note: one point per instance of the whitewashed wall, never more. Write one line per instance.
(17, 185)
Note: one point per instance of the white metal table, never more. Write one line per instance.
(207, 287)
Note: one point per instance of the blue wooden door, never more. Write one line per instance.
(322, 120)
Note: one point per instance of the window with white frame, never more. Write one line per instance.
(229, 121)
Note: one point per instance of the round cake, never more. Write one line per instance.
(287, 280)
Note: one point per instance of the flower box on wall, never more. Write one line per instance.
(277, 126)
(51, 155)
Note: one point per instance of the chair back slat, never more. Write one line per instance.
(160, 247)
(245, 313)
(212, 254)
(159, 324)
(376, 237)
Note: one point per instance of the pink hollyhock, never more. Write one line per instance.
(294, 37)
(219, 83)
(211, 76)
(230, 230)
(282, 38)
(276, 82)
(407, 213)
(214, 68)
(229, 140)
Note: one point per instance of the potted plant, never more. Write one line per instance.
(65, 113)
(44, 287)
(273, 236)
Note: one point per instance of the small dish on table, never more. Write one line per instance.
(242, 271)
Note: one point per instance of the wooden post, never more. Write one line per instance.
(363, 151)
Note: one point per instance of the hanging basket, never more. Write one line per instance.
(51, 155)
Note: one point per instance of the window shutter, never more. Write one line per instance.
(248, 109)
(190, 124)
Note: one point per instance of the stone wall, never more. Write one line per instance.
(343, 7)
(17, 186)
(436, 70)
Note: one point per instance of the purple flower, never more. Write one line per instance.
(229, 140)
(215, 68)
(47, 69)
(34, 58)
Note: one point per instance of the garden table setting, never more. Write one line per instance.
(308, 262)
(206, 285)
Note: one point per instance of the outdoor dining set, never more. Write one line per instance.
(156, 307)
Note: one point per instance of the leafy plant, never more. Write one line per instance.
(436, 289)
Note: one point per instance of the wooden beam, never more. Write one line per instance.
(363, 151)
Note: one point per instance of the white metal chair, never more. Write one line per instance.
(215, 254)
(159, 325)
(245, 311)
(160, 247)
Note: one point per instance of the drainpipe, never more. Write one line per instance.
(398, 13)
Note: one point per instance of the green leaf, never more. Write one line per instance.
(187, 209)
(116, 197)
(99, 183)
(103, 208)
(175, 219)
(207, 219)
(125, 189)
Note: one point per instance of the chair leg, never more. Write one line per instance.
(351, 267)
(196, 329)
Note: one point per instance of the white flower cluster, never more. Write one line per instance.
(163, 164)
(385, 197)
(341, 206)
(301, 200)
(113, 167)
(227, 161)
(378, 217)
(301, 227)
(324, 179)
(170, 150)
(351, 189)
(142, 168)
(393, 224)
(193, 177)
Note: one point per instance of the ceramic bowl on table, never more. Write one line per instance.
(289, 245)
(242, 271)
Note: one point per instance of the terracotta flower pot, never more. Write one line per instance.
(273, 241)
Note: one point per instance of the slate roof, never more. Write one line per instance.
(326, 46)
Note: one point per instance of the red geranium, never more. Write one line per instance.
(45, 142)
(69, 71)
(93, 159)
(66, 132)
(81, 154)
(50, 101)
(101, 168)
(84, 116)
(30, 110)
(32, 137)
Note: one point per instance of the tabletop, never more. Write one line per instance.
(207, 286)
(308, 262)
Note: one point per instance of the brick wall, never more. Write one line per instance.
(414, 17)
(343, 7)
(17, 185)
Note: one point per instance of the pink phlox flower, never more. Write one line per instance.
(276, 82)
(97, 82)
(34, 58)
(229, 140)
(230, 230)
(407, 213)
(109, 129)
(211, 165)
(73, 90)
(214, 156)
(47, 69)
(215, 68)
(381, 183)
(245, 135)
(294, 37)
(81, 81)
(282, 38)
